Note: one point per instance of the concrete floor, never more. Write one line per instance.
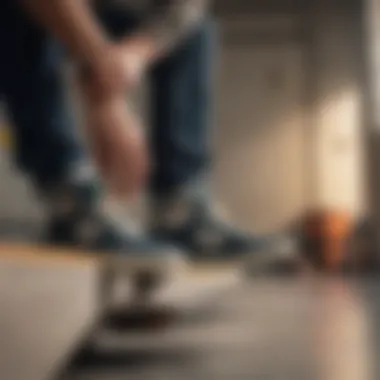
(268, 329)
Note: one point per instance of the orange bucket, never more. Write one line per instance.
(325, 234)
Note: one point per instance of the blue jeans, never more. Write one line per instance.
(33, 88)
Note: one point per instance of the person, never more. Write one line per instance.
(114, 45)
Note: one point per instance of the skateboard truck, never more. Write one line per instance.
(146, 279)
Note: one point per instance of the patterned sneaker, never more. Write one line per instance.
(192, 225)
(76, 219)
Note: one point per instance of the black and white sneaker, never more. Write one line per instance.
(77, 220)
(193, 225)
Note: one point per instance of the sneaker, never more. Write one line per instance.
(193, 225)
(77, 219)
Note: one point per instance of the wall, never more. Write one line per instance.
(372, 16)
(260, 131)
(372, 109)
(17, 200)
(336, 117)
(322, 59)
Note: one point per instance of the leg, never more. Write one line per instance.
(46, 142)
(114, 134)
(115, 138)
(182, 208)
(181, 103)
(47, 147)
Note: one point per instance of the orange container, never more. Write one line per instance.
(325, 234)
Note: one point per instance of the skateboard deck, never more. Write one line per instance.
(184, 294)
(73, 289)
(133, 292)
(136, 294)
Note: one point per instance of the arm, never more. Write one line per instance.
(72, 22)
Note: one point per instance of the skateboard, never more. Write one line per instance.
(163, 298)
(179, 291)
(130, 286)
(167, 300)
(171, 290)
(156, 299)
(135, 294)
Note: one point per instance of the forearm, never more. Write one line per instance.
(72, 22)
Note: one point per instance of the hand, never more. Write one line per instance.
(116, 67)
(135, 57)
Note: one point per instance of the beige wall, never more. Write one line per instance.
(372, 109)
(336, 113)
(290, 116)
(260, 131)
(372, 17)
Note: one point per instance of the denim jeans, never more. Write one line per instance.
(45, 133)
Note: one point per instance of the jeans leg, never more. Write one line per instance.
(44, 129)
(46, 143)
(181, 87)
